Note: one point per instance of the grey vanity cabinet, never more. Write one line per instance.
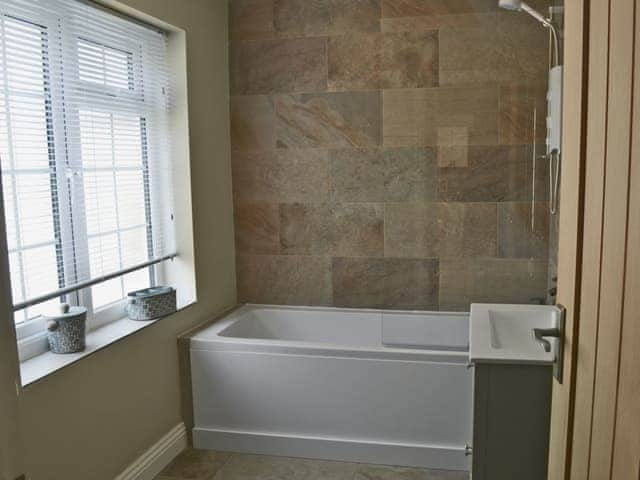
(511, 421)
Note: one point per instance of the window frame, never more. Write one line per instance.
(31, 333)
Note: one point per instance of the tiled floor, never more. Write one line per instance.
(206, 465)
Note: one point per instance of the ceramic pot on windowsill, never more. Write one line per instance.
(66, 333)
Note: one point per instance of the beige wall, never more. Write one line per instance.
(10, 442)
(90, 420)
(382, 152)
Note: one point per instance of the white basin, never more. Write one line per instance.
(504, 333)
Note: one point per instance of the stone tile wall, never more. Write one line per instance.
(382, 152)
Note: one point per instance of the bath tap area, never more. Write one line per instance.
(319, 239)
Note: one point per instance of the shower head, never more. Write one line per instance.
(510, 4)
(519, 5)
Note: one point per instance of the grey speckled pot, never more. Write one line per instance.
(66, 332)
(150, 303)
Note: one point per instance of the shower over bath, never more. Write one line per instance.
(554, 104)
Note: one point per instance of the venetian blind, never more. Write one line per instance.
(84, 146)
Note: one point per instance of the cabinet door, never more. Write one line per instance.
(512, 408)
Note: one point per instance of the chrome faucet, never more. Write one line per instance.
(540, 334)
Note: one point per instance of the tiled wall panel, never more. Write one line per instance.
(382, 152)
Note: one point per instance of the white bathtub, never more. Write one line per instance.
(375, 386)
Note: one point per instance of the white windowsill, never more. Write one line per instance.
(45, 364)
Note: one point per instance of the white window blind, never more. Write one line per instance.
(84, 148)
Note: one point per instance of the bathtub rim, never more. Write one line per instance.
(210, 339)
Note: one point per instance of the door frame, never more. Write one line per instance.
(574, 126)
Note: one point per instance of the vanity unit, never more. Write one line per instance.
(513, 350)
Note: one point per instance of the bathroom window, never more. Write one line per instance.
(84, 151)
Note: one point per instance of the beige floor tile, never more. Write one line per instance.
(193, 464)
(378, 472)
(253, 467)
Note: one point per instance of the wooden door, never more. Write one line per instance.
(598, 419)
(625, 461)
(607, 406)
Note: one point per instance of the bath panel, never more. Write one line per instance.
(301, 381)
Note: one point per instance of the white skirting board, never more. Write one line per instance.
(414, 455)
(151, 462)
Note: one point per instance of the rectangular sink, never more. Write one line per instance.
(504, 333)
